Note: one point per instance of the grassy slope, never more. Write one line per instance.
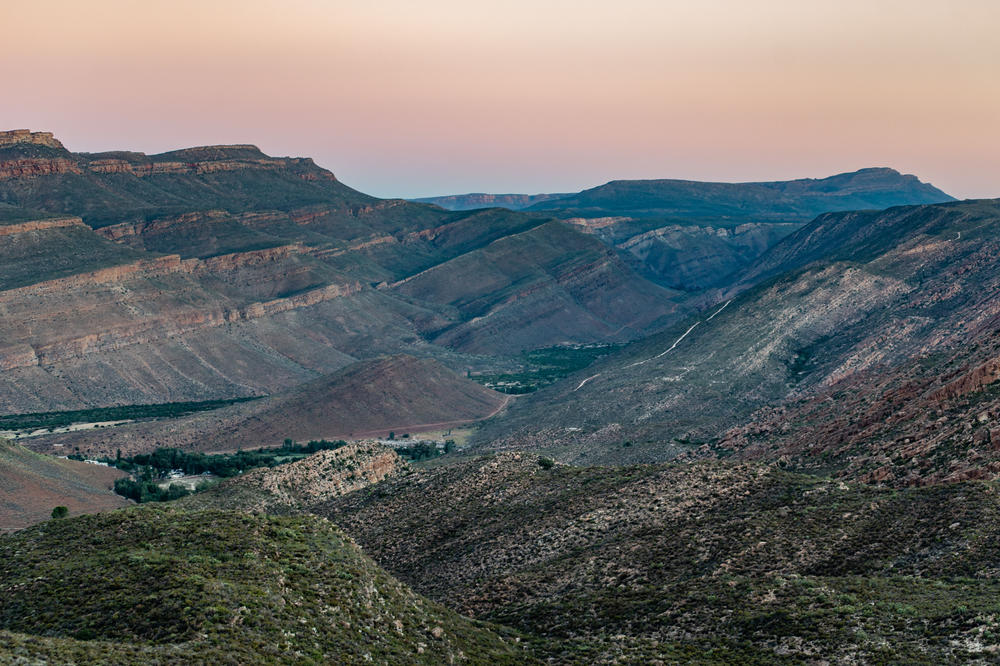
(31, 485)
(650, 560)
(157, 581)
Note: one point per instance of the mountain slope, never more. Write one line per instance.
(219, 271)
(539, 284)
(225, 587)
(662, 561)
(31, 485)
(366, 399)
(791, 199)
(909, 283)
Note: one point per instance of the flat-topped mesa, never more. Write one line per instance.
(12, 137)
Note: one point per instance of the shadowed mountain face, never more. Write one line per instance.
(901, 303)
(219, 272)
(694, 235)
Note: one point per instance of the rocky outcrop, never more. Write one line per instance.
(17, 356)
(320, 477)
(12, 137)
(975, 380)
(38, 225)
(32, 167)
(165, 168)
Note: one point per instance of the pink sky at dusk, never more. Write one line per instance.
(408, 98)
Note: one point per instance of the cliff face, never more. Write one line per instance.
(23, 136)
(38, 225)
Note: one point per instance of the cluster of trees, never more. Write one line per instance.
(425, 450)
(149, 491)
(126, 412)
(148, 468)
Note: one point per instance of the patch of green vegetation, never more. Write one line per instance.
(545, 366)
(146, 468)
(143, 491)
(123, 413)
(424, 450)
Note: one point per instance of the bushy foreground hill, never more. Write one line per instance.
(156, 585)
(696, 562)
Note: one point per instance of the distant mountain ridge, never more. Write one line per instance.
(868, 188)
(482, 200)
(692, 235)
(877, 187)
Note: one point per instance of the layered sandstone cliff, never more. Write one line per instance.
(12, 137)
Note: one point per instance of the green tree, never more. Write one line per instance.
(60, 512)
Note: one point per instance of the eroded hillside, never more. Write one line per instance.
(856, 295)
(219, 272)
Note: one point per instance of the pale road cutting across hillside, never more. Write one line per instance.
(580, 385)
(670, 349)
(719, 310)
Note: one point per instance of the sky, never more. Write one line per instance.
(416, 98)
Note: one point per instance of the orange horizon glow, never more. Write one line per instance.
(403, 98)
